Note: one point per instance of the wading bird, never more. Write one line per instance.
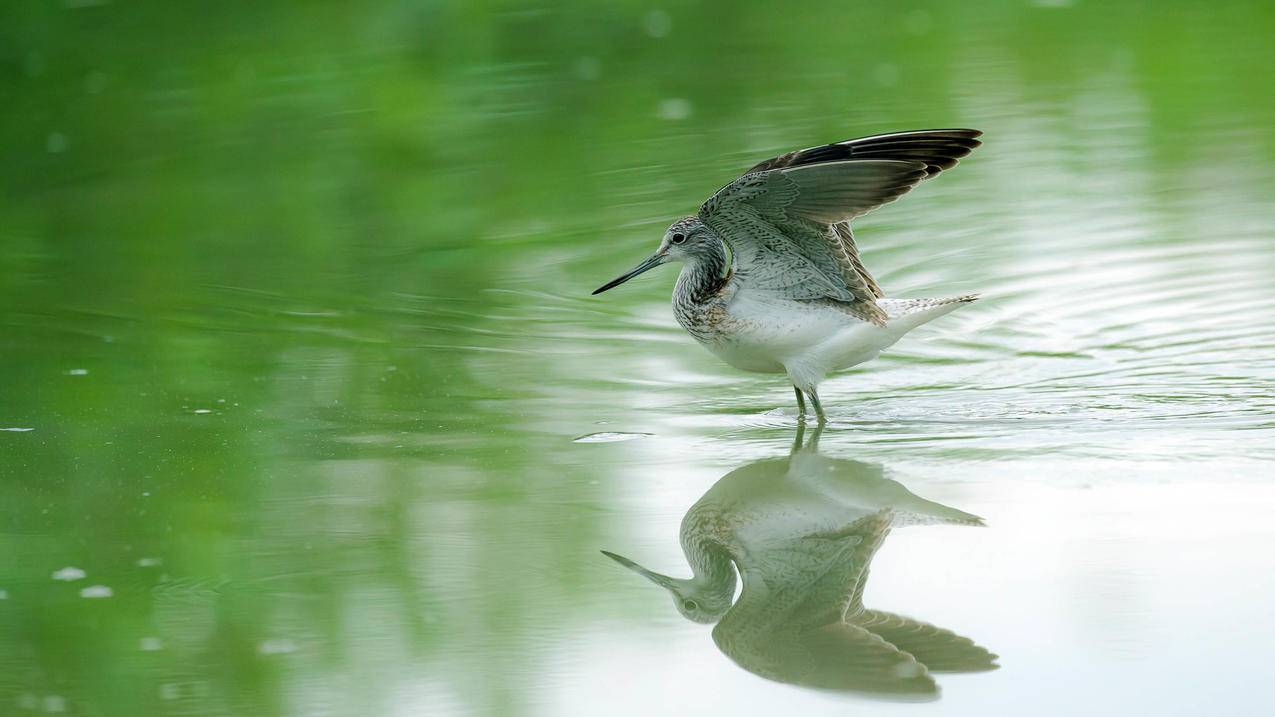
(771, 278)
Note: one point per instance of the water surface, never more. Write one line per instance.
(306, 408)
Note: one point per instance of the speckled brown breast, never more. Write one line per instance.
(706, 322)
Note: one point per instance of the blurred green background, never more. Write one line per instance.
(296, 335)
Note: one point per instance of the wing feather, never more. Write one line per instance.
(834, 192)
(940, 149)
(788, 219)
(939, 649)
(846, 248)
(782, 226)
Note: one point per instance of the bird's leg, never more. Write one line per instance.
(814, 400)
(801, 405)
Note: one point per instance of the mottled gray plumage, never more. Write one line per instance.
(773, 281)
(788, 218)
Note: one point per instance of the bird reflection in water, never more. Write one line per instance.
(802, 531)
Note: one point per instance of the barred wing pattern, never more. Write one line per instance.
(787, 219)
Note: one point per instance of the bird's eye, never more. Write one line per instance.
(678, 238)
(690, 605)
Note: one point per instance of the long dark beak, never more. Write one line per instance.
(653, 261)
(663, 581)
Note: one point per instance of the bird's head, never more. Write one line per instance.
(696, 601)
(688, 239)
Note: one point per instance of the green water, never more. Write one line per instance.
(296, 336)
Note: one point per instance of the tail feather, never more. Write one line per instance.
(907, 314)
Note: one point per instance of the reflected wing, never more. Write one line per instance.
(938, 649)
(847, 657)
(788, 622)
(806, 581)
(787, 219)
(839, 656)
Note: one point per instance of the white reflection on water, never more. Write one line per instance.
(1088, 570)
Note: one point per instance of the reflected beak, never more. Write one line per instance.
(653, 261)
(663, 581)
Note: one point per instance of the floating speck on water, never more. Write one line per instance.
(588, 68)
(886, 74)
(657, 23)
(95, 82)
(918, 22)
(55, 143)
(17, 430)
(276, 647)
(149, 562)
(221, 400)
(674, 108)
(69, 574)
(149, 644)
(96, 591)
(609, 437)
(78, 372)
(202, 411)
(34, 64)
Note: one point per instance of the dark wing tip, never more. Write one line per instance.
(938, 149)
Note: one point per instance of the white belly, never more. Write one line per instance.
(755, 331)
(777, 336)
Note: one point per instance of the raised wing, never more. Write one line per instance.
(780, 226)
(939, 149)
(787, 219)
